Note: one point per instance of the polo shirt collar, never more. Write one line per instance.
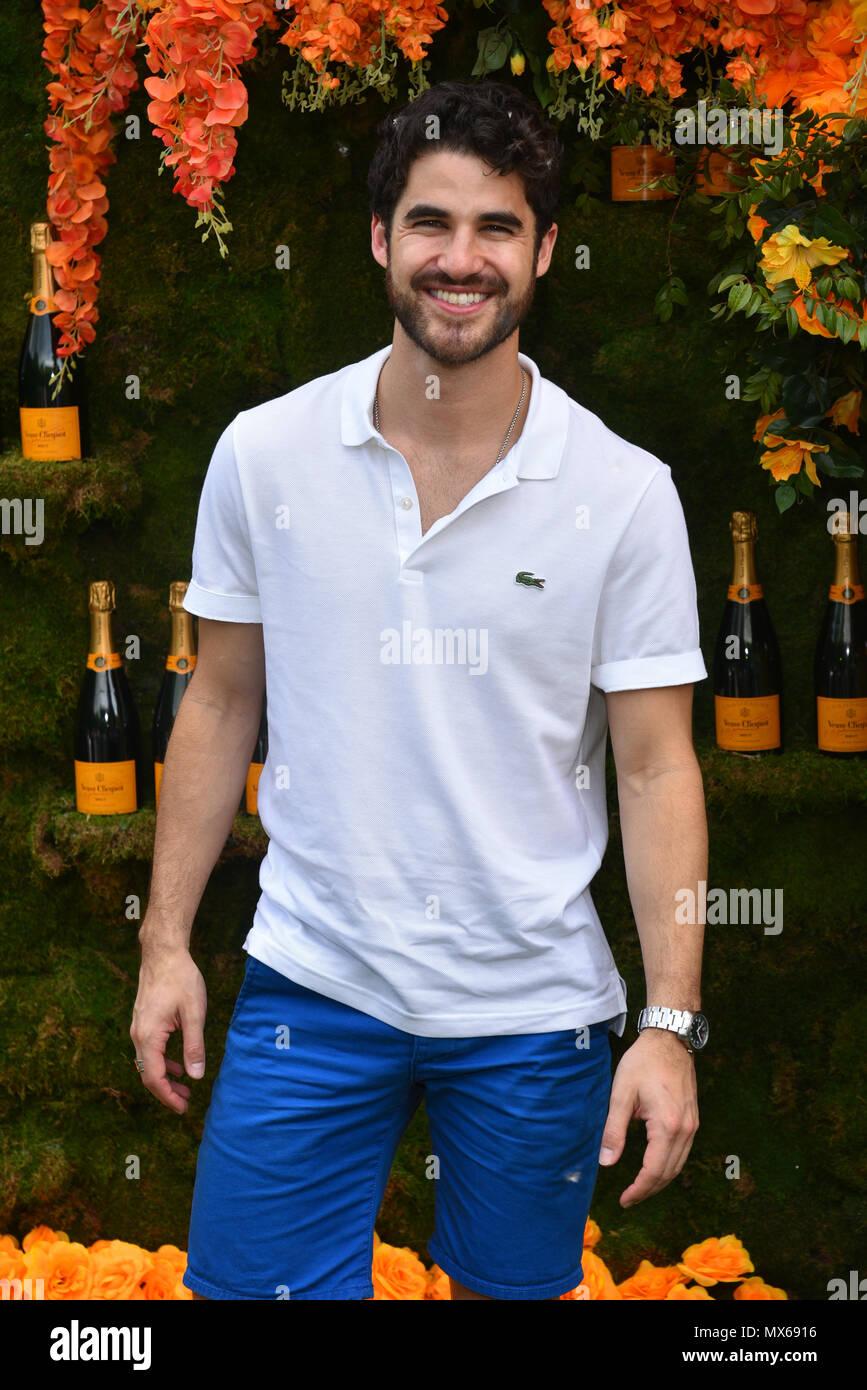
(536, 454)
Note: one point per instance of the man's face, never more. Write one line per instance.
(460, 228)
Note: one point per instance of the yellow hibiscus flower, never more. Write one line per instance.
(789, 255)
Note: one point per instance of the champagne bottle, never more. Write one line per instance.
(841, 654)
(108, 736)
(747, 677)
(260, 753)
(180, 664)
(53, 426)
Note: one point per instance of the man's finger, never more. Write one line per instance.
(193, 1029)
(621, 1109)
(154, 1075)
(669, 1143)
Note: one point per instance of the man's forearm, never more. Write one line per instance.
(205, 770)
(664, 829)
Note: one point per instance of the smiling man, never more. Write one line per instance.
(459, 580)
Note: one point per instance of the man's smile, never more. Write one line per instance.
(458, 301)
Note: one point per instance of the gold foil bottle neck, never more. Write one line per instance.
(40, 235)
(743, 526)
(102, 596)
(177, 589)
(841, 531)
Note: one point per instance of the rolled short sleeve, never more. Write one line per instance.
(647, 631)
(223, 584)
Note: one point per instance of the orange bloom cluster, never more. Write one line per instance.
(346, 33)
(790, 47)
(197, 47)
(95, 72)
(107, 1269)
(116, 1269)
(827, 54)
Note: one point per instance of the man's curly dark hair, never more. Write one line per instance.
(489, 119)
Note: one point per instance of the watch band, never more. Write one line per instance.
(673, 1020)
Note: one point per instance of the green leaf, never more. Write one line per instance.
(829, 222)
(493, 50)
(862, 335)
(784, 496)
(739, 295)
(849, 289)
(846, 328)
(755, 303)
(792, 321)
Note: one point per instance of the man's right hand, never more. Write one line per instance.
(171, 995)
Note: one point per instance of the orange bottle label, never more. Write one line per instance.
(744, 593)
(180, 663)
(252, 793)
(40, 306)
(842, 724)
(158, 777)
(103, 661)
(750, 724)
(633, 166)
(105, 789)
(50, 432)
(850, 594)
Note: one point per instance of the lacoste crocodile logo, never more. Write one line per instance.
(525, 577)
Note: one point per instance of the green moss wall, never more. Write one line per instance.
(781, 1082)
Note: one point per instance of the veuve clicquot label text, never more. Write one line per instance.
(50, 432)
(842, 724)
(105, 788)
(748, 723)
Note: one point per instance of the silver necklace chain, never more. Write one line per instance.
(508, 434)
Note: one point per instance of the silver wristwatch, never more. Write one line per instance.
(692, 1029)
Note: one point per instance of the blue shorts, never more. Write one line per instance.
(306, 1114)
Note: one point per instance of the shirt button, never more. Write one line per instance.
(406, 503)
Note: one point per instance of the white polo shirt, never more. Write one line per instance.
(434, 791)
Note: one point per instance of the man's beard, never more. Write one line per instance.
(454, 348)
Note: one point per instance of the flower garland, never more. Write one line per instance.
(197, 47)
(353, 32)
(91, 54)
(117, 1269)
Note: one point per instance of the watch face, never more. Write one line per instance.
(698, 1030)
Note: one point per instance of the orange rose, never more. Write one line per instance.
(438, 1285)
(756, 1288)
(63, 1265)
(651, 1281)
(42, 1233)
(175, 1257)
(12, 1265)
(592, 1234)
(684, 1292)
(597, 1278)
(716, 1260)
(398, 1273)
(9, 1243)
(118, 1270)
(160, 1280)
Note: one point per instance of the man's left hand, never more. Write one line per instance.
(655, 1082)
